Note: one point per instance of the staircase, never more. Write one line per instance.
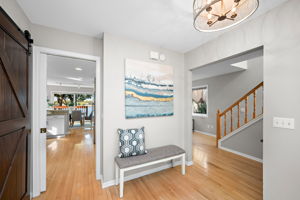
(240, 114)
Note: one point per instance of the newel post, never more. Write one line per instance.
(218, 136)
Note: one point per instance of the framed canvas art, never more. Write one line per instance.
(149, 89)
(200, 101)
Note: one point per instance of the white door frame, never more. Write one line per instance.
(38, 56)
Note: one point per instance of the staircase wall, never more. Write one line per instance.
(247, 141)
(224, 90)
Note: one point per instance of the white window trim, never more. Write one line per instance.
(207, 106)
(199, 115)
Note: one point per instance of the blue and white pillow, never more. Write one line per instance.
(132, 142)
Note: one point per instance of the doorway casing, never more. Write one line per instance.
(38, 72)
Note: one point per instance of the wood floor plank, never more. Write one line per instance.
(215, 175)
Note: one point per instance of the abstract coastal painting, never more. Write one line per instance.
(148, 89)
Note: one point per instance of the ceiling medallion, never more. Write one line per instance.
(215, 15)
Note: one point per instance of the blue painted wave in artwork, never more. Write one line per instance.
(140, 82)
(136, 108)
(157, 99)
(139, 87)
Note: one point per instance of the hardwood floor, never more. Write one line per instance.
(216, 174)
(226, 175)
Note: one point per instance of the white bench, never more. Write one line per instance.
(154, 156)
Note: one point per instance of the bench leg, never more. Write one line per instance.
(183, 164)
(173, 163)
(117, 174)
(121, 182)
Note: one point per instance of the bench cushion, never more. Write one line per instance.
(152, 155)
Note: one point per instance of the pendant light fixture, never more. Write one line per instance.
(215, 15)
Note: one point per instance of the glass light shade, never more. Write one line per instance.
(215, 15)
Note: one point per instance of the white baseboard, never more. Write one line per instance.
(108, 183)
(144, 173)
(236, 132)
(189, 163)
(241, 154)
(205, 133)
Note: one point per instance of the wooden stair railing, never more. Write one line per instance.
(223, 115)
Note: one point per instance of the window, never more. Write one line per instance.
(61, 99)
(200, 101)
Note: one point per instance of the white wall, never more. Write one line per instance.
(53, 38)
(247, 141)
(13, 9)
(278, 31)
(159, 130)
(57, 39)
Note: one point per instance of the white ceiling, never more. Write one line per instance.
(215, 70)
(61, 71)
(165, 23)
(233, 64)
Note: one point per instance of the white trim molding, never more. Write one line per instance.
(200, 115)
(38, 54)
(70, 85)
(188, 163)
(205, 133)
(241, 154)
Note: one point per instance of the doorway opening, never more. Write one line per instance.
(70, 95)
(227, 115)
(66, 119)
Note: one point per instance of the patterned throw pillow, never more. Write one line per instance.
(132, 142)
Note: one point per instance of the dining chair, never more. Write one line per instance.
(76, 115)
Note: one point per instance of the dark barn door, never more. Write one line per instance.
(14, 111)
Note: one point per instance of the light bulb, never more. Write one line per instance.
(233, 9)
(209, 16)
(208, 1)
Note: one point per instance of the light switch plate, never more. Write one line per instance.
(288, 123)
(276, 122)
